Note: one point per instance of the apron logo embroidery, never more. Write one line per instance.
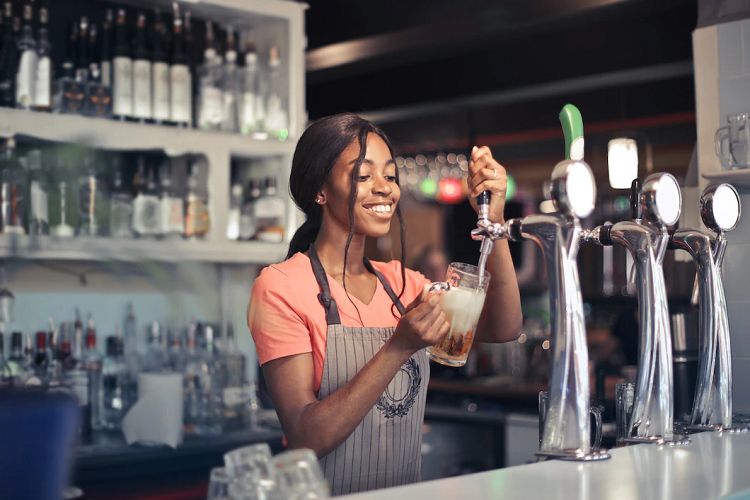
(390, 406)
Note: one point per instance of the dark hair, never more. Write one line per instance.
(316, 153)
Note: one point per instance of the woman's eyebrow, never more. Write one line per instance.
(369, 161)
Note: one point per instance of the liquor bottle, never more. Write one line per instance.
(247, 218)
(63, 203)
(250, 100)
(196, 205)
(42, 357)
(268, 211)
(235, 207)
(122, 71)
(133, 361)
(92, 204)
(175, 353)
(99, 95)
(6, 375)
(156, 359)
(160, 72)
(71, 94)
(39, 212)
(277, 120)
(82, 52)
(180, 76)
(92, 363)
(44, 70)
(26, 73)
(191, 381)
(121, 205)
(210, 106)
(146, 206)
(13, 191)
(78, 378)
(9, 57)
(114, 389)
(236, 407)
(141, 73)
(106, 50)
(230, 85)
(21, 370)
(172, 208)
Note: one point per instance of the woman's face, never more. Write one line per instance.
(377, 191)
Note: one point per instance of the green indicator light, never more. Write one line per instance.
(429, 187)
(510, 191)
(283, 134)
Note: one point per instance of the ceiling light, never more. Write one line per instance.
(622, 157)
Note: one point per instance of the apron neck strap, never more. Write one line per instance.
(388, 289)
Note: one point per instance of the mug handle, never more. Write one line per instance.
(721, 134)
(597, 413)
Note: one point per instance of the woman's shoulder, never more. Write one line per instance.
(284, 275)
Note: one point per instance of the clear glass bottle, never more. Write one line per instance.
(172, 216)
(114, 385)
(191, 381)
(92, 363)
(236, 404)
(175, 352)
(20, 367)
(210, 106)
(63, 203)
(159, 71)
(247, 217)
(210, 389)
(98, 94)
(156, 359)
(196, 205)
(277, 117)
(141, 73)
(9, 56)
(235, 208)
(251, 106)
(180, 76)
(27, 64)
(77, 376)
(44, 69)
(133, 359)
(121, 205)
(6, 375)
(268, 211)
(38, 189)
(70, 94)
(122, 71)
(92, 203)
(13, 191)
(106, 50)
(230, 85)
(146, 206)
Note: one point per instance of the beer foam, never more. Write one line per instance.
(462, 307)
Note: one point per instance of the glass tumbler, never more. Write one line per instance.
(250, 464)
(299, 476)
(596, 413)
(624, 394)
(218, 487)
(462, 298)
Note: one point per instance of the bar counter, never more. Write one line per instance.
(712, 466)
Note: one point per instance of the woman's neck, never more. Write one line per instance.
(331, 248)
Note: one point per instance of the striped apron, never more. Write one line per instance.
(386, 447)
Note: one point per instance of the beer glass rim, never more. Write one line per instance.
(468, 269)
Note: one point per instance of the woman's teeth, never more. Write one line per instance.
(380, 208)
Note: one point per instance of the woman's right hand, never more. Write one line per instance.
(423, 324)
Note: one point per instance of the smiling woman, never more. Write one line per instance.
(344, 360)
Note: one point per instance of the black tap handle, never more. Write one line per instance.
(483, 198)
(635, 200)
(483, 206)
(605, 235)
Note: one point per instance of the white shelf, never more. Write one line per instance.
(92, 249)
(737, 178)
(124, 136)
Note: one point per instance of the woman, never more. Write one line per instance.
(343, 359)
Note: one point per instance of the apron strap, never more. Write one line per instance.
(325, 298)
(388, 289)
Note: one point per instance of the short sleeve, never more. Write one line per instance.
(277, 329)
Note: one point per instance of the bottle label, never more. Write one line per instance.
(39, 207)
(172, 218)
(73, 97)
(196, 217)
(26, 79)
(100, 99)
(181, 97)
(123, 83)
(247, 112)
(160, 75)
(146, 214)
(211, 107)
(142, 89)
(107, 73)
(43, 98)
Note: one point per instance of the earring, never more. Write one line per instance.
(319, 200)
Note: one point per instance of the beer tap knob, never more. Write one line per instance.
(636, 212)
(483, 208)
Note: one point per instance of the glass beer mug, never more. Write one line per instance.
(462, 298)
(736, 136)
(596, 414)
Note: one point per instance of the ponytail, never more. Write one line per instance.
(306, 234)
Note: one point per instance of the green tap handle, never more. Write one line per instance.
(572, 124)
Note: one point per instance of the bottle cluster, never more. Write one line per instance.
(257, 213)
(67, 358)
(67, 191)
(142, 70)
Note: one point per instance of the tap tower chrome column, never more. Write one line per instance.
(567, 428)
(655, 205)
(712, 404)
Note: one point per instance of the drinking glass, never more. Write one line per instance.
(624, 395)
(299, 476)
(594, 410)
(250, 464)
(218, 488)
(462, 298)
(737, 137)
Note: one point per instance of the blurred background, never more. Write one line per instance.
(146, 150)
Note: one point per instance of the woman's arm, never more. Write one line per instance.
(322, 425)
(501, 318)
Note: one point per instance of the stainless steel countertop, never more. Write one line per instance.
(712, 466)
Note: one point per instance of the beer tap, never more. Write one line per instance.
(654, 205)
(567, 428)
(712, 403)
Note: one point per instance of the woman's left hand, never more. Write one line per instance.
(486, 174)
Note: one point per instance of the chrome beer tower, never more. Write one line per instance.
(658, 201)
(567, 428)
(712, 404)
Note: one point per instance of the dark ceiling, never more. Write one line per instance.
(440, 73)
